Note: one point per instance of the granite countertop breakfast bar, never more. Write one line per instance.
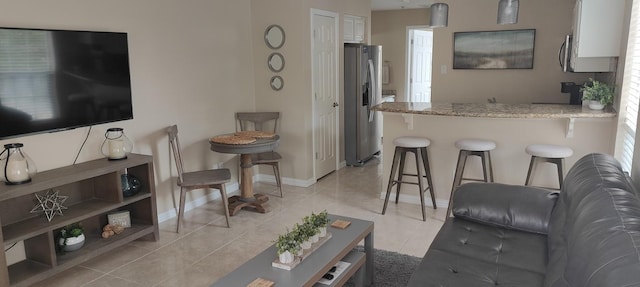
(497, 110)
(511, 126)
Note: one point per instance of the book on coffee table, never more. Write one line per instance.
(341, 266)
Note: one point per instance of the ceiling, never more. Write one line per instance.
(377, 5)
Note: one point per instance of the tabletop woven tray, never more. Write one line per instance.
(256, 134)
(232, 139)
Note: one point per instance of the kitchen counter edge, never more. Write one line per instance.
(495, 110)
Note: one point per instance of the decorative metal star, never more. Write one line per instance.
(50, 204)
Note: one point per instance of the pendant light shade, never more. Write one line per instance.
(508, 12)
(439, 15)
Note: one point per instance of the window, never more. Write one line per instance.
(630, 93)
(27, 72)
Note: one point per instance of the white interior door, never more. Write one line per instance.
(325, 91)
(420, 43)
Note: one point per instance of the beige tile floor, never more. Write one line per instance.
(206, 250)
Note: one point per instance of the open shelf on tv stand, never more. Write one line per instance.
(94, 190)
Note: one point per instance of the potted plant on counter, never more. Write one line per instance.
(71, 237)
(598, 94)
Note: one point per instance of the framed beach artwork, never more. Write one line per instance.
(508, 49)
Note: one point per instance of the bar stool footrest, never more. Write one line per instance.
(473, 179)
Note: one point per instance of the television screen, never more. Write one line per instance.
(57, 79)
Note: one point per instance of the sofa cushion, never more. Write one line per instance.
(516, 207)
(466, 253)
(446, 269)
(594, 231)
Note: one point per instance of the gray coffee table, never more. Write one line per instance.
(308, 272)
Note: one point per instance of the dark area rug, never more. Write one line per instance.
(392, 269)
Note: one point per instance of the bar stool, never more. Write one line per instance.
(472, 147)
(547, 153)
(417, 146)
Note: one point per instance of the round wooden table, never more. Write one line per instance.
(247, 198)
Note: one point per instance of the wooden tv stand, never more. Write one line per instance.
(94, 190)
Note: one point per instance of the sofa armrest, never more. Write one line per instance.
(510, 206)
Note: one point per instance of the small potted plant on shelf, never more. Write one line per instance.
(597, 93)
(321, 220)
(71, 237)
(288, 247)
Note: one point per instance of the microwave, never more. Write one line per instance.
(571, 62)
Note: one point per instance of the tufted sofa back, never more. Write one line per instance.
(594, 232)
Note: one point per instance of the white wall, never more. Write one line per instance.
(294, 101)
(550, 18)
(194, 65)
(552, 21)
(389, 29)
(190, 65)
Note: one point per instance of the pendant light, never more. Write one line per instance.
(439, 15)
(508, 12)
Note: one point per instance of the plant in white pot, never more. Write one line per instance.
(301, 235)
(71, 237)
(288, 247)
(321, 220)
(597, 93)
(312, 230)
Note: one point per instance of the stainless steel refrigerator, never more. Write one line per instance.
(362, 90)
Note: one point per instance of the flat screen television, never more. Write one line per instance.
(53, 80)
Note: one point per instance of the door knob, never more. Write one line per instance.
(335, 104)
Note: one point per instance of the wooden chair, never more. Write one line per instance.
(213, 178)
(263, 121)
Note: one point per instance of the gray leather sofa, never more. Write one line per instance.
(588, 234)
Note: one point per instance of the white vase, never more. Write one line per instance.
(285, 257)
(306, 244)
(315, 238)
(72, 243)
(595, 105)
(323, 231)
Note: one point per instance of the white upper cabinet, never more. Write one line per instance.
(597, 27)
(597, 33)
(354, 29)
(359, 30)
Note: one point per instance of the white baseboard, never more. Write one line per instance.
(285, 180)
(414, 199)
(232, 189)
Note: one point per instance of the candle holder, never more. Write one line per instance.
(116, 144)
(17, 167)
